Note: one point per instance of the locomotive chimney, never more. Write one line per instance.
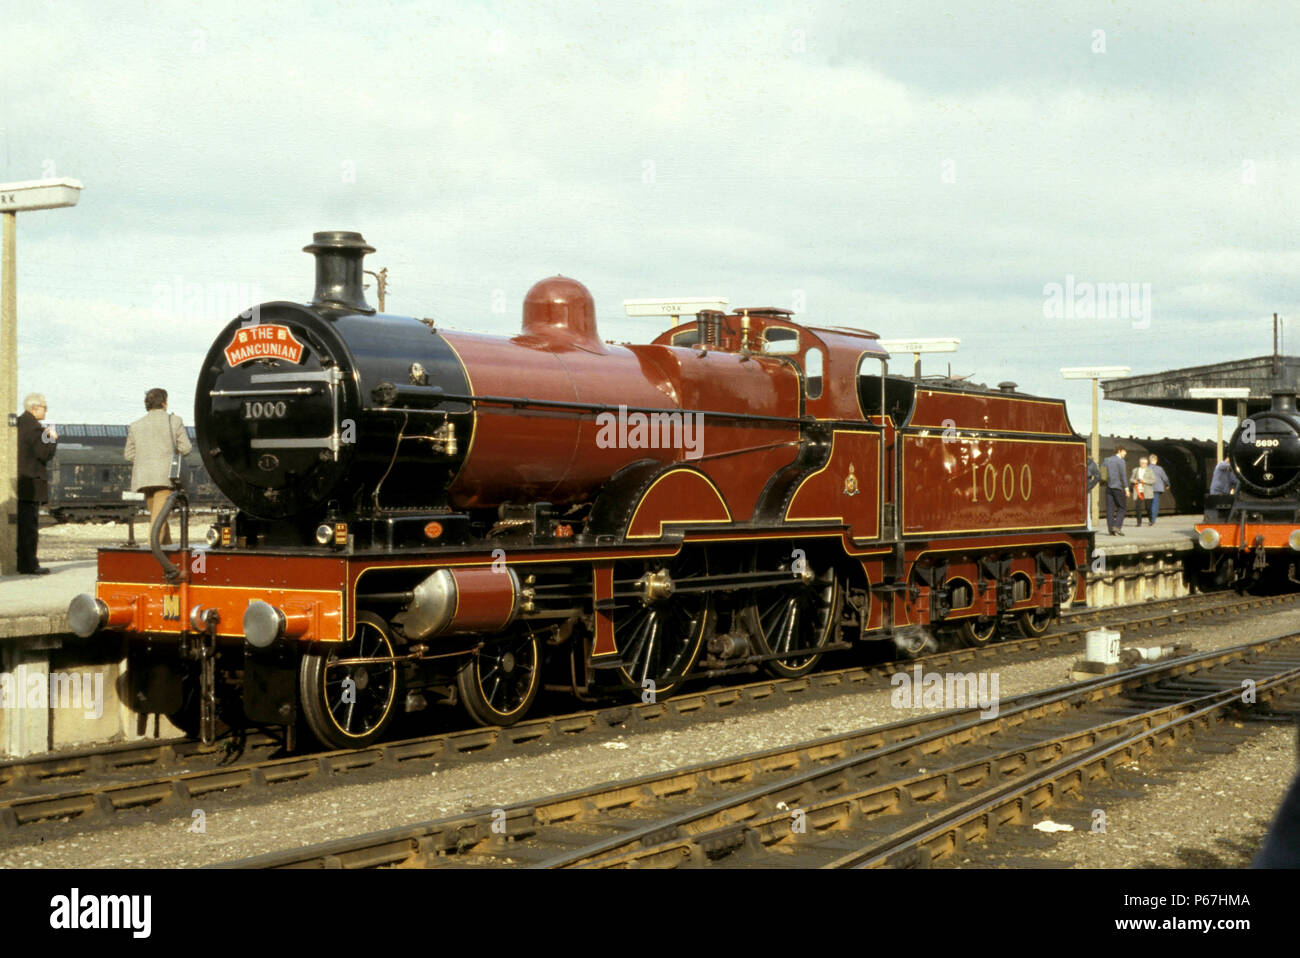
(338, 270)
(1284, 400)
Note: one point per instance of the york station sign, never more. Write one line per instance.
(38, 195)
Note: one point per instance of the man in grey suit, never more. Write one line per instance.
(150, 443)
(1116, 491)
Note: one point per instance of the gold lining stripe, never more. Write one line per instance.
(473, 412)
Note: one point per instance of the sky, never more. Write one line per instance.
(918, 169)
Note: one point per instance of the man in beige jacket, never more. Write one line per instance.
(150, 442)
(1143, 481)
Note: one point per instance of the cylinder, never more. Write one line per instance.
(460, 601)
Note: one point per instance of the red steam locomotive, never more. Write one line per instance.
(425, 512)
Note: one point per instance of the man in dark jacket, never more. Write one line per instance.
(1223, 482)
(1093, 474)
(36, 445)
(1116, 492)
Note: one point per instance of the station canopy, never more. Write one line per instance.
(1170, 389)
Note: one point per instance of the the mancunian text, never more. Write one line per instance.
(263, 341)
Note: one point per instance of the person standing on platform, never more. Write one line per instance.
(1162, 484)
(1093, 475)
(1223, 483)
(1143, 483)
(36, 445)
(151, 441)
(1116, 485)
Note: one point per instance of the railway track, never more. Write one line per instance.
(97, 783)
(898, 795)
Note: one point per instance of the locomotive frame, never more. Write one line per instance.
(831, 504)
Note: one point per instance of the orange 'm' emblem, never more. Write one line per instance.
(263, 341)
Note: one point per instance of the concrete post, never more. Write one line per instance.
(9, 397)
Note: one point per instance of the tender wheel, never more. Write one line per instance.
(658, 628)
(797, 617)
(1034, 622)
(978, 631)
(346, 703)
(499, 682)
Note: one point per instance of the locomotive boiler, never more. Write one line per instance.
(428, 515)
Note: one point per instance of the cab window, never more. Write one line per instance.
(812, 370)
(779, 341)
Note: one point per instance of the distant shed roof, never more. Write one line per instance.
(81, 430)
(1169, 389)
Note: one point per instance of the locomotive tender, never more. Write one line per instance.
(424, 512)
(1251, 538)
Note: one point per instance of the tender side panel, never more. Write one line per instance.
(956, 484)
(846, 489)
(941, 409)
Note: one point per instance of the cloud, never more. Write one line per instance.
(922, 170)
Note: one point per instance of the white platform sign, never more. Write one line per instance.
(687, 306)
(38, 195)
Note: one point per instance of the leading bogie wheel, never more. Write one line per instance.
(350, 691)
(498, 683)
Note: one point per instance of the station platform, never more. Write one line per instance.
(58, 691)
(1174, 533)
(33, 605)
(1146, 562)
